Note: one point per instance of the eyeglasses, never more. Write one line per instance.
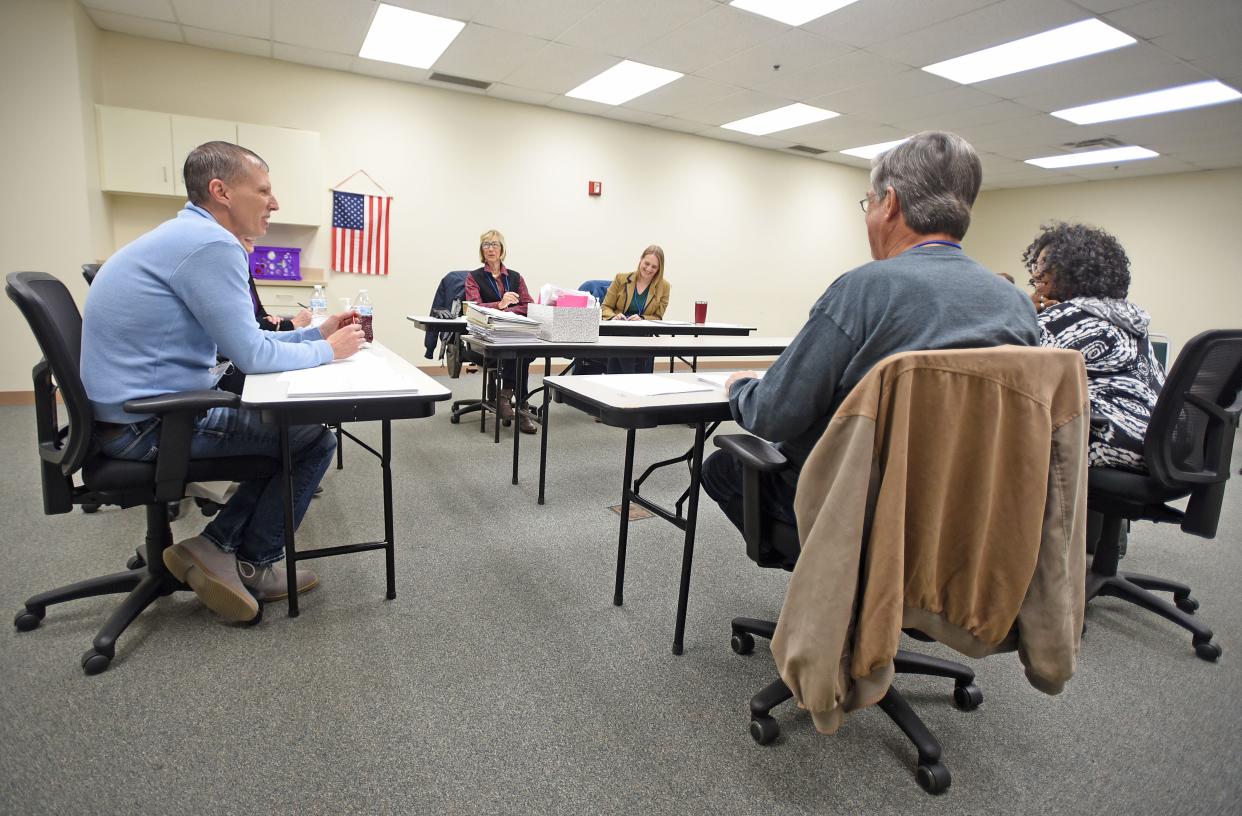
(490, 245)
(862, 203)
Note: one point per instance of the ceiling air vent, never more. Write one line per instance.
(456, 80)
(812, 151)
(1094, 144)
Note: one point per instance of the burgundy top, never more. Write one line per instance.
(500, 287)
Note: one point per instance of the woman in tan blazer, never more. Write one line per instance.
(638, 295)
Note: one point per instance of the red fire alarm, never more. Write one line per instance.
(595, 188)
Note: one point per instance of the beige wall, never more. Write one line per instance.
(1180, 231)
(54, 218)
(757, 233)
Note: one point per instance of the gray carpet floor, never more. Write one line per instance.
(503, 680)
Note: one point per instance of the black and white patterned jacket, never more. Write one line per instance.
(1123, 376)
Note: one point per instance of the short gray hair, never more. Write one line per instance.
(214, 160)
(936, 176)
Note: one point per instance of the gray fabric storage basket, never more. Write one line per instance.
(567, 324)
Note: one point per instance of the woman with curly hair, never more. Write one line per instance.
(1081, 277)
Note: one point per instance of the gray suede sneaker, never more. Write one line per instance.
(212, 574)
(271, 583)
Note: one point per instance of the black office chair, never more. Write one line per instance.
(68, 451)
(1187, 451)
(89, 271)
(773, 544)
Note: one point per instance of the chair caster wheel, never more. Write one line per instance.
(764, 729)
(94, 661)
(1207, 650)
(506, 422)
(1187, 604)
(257, 619)
(90, 508)
(454, 419)
(742, 643)
(967, 698)
(28, 619)
(934, 777)
(135, 562)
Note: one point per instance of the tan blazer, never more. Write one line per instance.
(621, 292)
(948, 494)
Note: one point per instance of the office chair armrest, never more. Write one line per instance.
(191, 402)
(753, 452)
(177, 412)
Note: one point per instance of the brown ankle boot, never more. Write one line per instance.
(506, 403)
(527, 425)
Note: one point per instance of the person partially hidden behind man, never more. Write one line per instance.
(921, 292)
(158, 312)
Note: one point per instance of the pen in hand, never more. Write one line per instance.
(303, 305)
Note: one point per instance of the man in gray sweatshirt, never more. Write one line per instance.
(921, 292)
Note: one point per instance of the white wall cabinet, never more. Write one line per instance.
(142, 152)
(292, 157)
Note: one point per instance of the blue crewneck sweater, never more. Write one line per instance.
(163, 306)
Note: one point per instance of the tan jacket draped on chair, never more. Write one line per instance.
(948, 495)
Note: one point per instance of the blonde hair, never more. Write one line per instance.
(492, 235)
(655, 250)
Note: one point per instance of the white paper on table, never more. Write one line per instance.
(718, 379)
(364, 374)
(651, 385)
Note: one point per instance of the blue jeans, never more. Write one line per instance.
(252, 524)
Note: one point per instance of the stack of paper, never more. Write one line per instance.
(364, 374)
(496, 326)
(719, 379)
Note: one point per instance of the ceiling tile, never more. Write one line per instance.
(515, 94)
(950, 120)
(794, 51)
(630, 115)
(1105, 6)
(311, 56)
(388, 70)
(701, 41)
(246, 18)
(1109, 72)
(864, 24)
(1223, 65)
(686, 92)
(227, 42)
(138, 26)
(621, 27)
(1108, 85)
(461, 10)
(992, 25)
(329, 25)
(955, 99)
(730, 108)
(1159, 18)
(680, 125)
(489, 54)
(559, 68)
(888, 90)
(1015, 137)
(546, 19)
(841, 133)
(153, 9)
(850, 70)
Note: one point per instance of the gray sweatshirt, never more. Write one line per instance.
(931, 297)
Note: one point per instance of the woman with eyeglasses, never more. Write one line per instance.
(638, 295)
(1081, 277)
(497, 287)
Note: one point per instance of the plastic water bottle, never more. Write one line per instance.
(319, 303)
(365, 312)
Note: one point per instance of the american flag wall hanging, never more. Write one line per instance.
(360, 233)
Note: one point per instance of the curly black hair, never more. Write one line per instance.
(1084, 261)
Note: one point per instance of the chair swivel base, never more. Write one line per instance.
(931, 774)
(1134, 588)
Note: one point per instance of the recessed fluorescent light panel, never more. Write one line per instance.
(790, 116)
(871, 151)
(791, 12)
(1058, 45)
(408, 37)
(1195, 95)
(1110, 156)
(622, 82)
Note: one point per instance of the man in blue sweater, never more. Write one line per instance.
(921, 292)
(157, 314)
